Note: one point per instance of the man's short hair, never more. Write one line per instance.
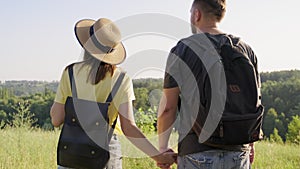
(215, 8)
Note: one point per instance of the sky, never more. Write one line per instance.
(38, 41)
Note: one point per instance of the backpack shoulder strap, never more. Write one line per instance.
(72, 81)
(110, 97)
(116, 87)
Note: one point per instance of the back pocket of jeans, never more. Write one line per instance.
(193, 161)
(241, 159)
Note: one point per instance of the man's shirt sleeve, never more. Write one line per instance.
(172, 72)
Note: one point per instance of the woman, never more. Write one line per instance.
(94, 78)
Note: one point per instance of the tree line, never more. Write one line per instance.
(280, 96)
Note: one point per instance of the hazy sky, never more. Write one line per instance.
(37, 38)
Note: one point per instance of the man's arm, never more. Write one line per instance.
(167, 116)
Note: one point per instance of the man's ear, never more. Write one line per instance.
(197, 14)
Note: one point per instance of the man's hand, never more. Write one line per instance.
(168, 152)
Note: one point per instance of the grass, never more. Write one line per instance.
(276, 156)
(23, 149)
(36, 149)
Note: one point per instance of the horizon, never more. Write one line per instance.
(139, 78)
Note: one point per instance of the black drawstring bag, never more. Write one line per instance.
(86, 133)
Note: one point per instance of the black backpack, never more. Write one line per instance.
(86, 133)
(241, 120)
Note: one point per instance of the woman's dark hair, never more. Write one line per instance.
(216, 8)
(98, 70)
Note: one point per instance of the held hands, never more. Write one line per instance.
(166, 159)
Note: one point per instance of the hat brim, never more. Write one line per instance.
(82, 32)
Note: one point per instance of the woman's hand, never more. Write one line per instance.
(167, 164)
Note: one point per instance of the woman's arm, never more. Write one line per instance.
(57, 114)
(135, 136)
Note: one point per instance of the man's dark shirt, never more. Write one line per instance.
(187, 70)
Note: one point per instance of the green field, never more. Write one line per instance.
(36, 149)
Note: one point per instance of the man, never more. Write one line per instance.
(186, 68)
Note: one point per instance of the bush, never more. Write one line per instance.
(22, 118)
(146, 120)
(275, 137)
(293, 135)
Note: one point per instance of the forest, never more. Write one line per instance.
(280, 96)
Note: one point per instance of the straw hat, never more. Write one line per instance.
(101, 39)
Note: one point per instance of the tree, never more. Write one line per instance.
(142, 99)
(293, 134)
(282, 95)
(3, 118)
(296, 110)
(275, 137)
(281, 125)
(269, 122)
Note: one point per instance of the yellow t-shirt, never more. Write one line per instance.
(98, 92)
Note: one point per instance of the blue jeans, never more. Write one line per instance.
(215, 159)
(115, 161)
